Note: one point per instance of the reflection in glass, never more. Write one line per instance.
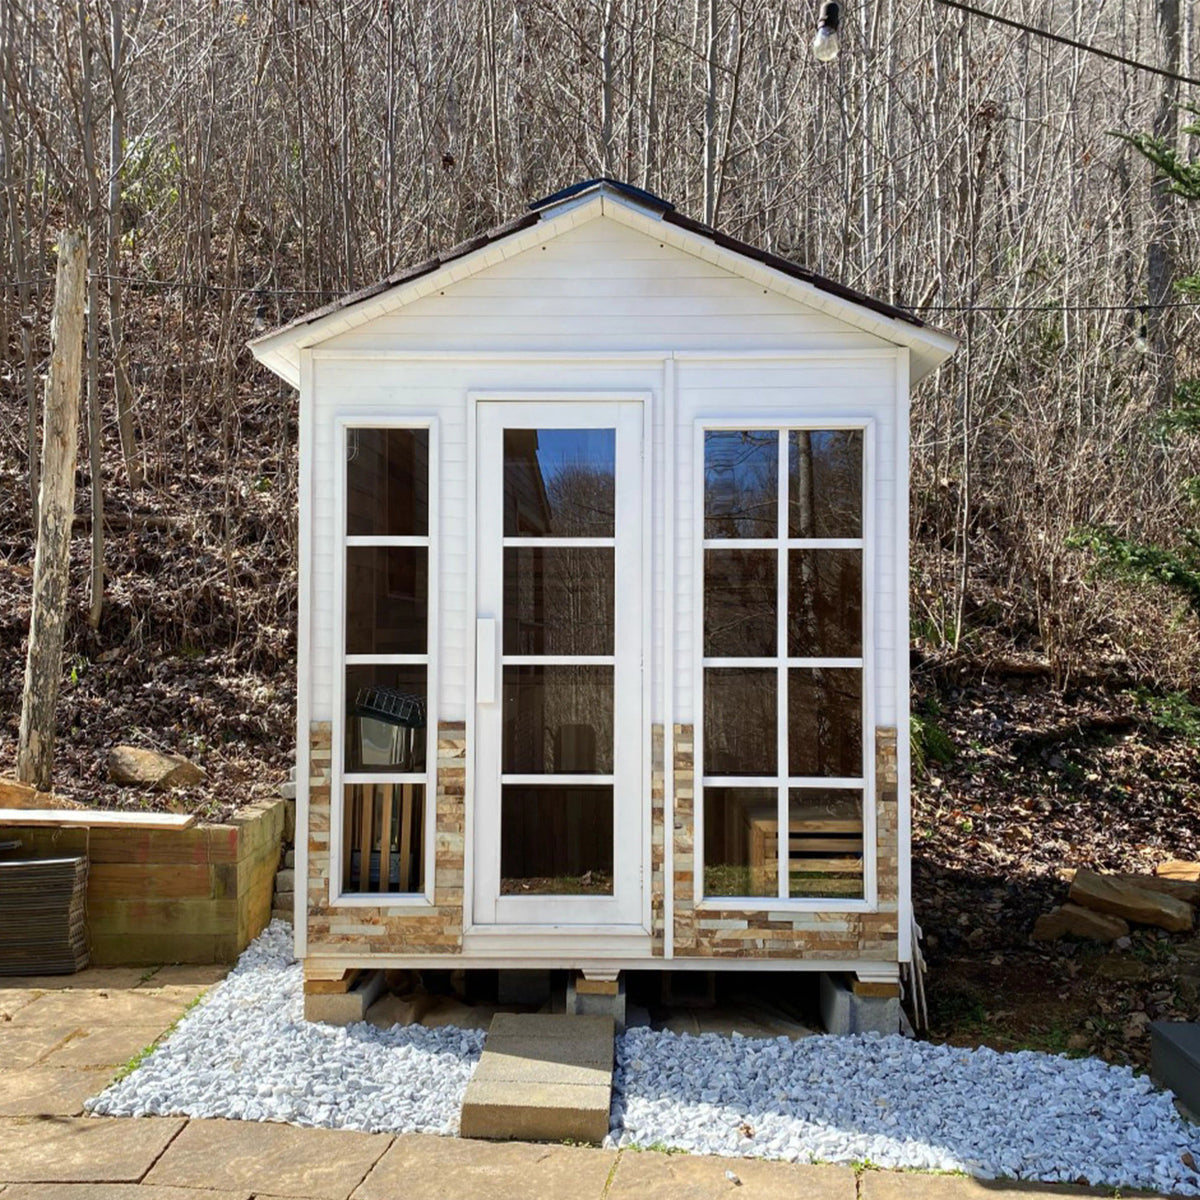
(741, 838)
(385, 718)
(556, 840)
(739, 721)
(825, 483)
(741, 480)
(387, 599)
(740, 604)
(558, 720)
(558, 600)
(387, 482)
(825, 722)
(383, 838)
(824, 603)
(559, 482)
(825, 850)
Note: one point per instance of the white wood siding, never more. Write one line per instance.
(602, 286)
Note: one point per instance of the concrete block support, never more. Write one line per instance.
(843, 1012)
(523, 987)
(597, 998)
(344, 1008)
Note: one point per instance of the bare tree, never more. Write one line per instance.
(43, 664)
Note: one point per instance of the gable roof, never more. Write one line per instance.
(563, 210)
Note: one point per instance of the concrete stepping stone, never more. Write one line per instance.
(542, 1078)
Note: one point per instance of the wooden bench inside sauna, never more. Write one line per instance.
(824, 851)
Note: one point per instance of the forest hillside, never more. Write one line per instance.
(237, 162)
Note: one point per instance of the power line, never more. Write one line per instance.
(176, 285)
(1047, 308)
(1066, 41)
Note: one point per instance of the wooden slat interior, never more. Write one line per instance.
(383, 838)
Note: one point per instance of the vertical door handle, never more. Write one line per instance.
(485, 660)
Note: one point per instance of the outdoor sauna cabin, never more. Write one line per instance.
(603, 563)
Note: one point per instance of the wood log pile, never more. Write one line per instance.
(1103, 907)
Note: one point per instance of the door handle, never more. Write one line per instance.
(485, 660)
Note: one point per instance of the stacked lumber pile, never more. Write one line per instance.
(1102, 907)
(42, 913)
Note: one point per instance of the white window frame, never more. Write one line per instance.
(339, 777)
(782, 781)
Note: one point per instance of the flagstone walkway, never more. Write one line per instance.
(63, 1037)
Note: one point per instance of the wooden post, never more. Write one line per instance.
(56, 509)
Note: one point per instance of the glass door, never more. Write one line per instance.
(558, 795)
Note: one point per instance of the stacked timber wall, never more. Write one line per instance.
(196, 895)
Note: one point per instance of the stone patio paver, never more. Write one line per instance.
(13, 999)
(699, 1177)
(914, 1185)
(88, 1007)
(89, 978)
(186, 975)
(426, 1167)
(48, 1091)
(112, 1191)
(24, 1046)
(276, 1160)
(82, 1149)
(103, 1046)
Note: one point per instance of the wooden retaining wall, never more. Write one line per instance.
(196, 895)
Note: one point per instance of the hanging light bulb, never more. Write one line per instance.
(825, 45)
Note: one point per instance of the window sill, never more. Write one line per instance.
(788, 907)
(396, 903)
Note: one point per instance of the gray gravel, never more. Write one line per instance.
(899, 1103)
(246, 1052)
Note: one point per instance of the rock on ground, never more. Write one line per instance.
(138, 767)
(1107, 893)
(1070, 920)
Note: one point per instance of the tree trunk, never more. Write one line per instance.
(35, 748)
(122, 388)
(1160, 253)
(710, 115)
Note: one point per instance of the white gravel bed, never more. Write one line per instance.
(246, 1052)
(899, 1103)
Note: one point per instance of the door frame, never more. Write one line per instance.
(533, 395)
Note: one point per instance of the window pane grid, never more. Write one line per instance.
(790, 504)
(385, 743)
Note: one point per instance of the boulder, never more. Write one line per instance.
(137, 767)
(1179, 869)
(1187, 890)
(1070, 920)
(1110, 894)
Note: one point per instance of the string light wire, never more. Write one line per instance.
(1048, 307)
(1066, 41)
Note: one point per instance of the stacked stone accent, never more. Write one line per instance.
(657, 840)
(704, 933)
(735, 933)
(391, 929)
